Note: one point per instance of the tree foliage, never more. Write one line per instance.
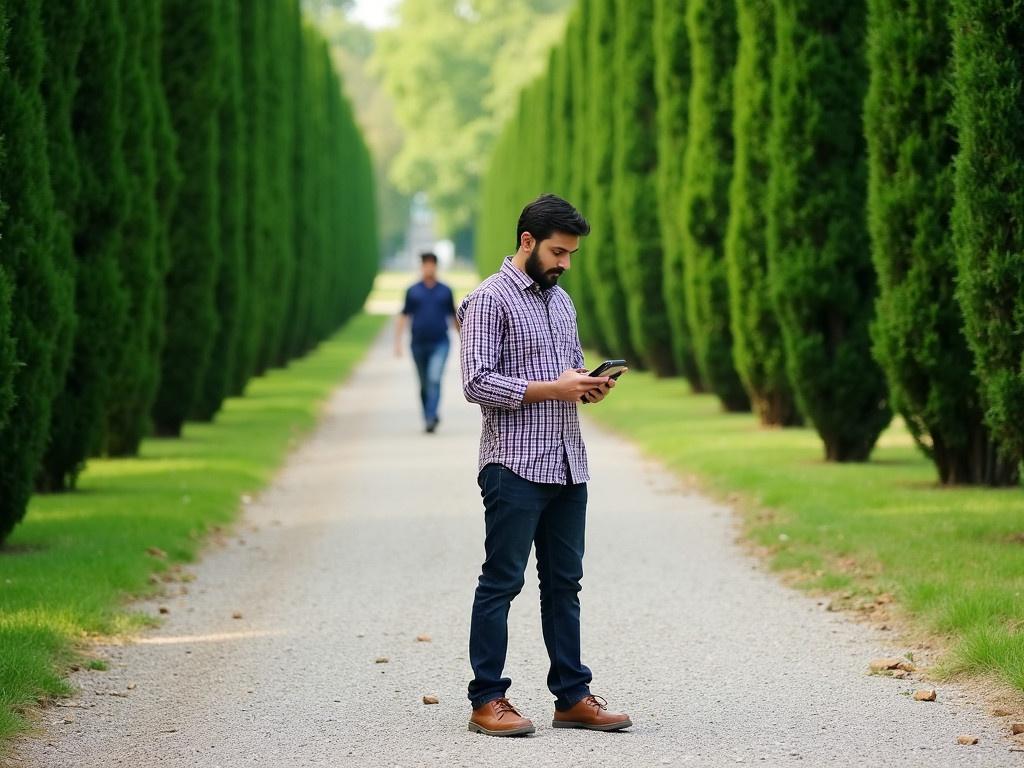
(705, 197)
(671, 43)
(758, 351)
(820, 268)
(989, 186)
(101, 206)
(634, 189)
(31, 284)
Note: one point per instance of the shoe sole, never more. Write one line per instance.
(524, 731)
(589, 727)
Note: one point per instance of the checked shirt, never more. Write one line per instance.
(514, 333)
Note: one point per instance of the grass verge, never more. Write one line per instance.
(952, 559)
(68, 570)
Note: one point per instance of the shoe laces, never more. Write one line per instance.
(597, 701)
(503, 707)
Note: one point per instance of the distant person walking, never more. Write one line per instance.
(522, 363)
(430, 304)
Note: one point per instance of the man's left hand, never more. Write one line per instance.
(598, 394)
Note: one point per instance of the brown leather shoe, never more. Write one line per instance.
(591, 713)
(499, 718)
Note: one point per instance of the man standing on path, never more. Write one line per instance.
(430, 303)
(522, 363)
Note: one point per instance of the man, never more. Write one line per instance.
(429, 303)
(522, 363)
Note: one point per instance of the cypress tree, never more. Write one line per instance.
(301, 125)
(822, 280)
(278, 158)
(634, 188)
(918, 332)
(758, 351)
(672, 95)
(101, 205)
(191, 76)
(7, 352)
(577, 57)
(257, 222)
(988, 228)
(64, 35)
(599, 267)
(165, 149)
(133, 371)
(31, 285)
(705, 197)
(230, 289)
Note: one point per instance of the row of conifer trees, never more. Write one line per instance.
(185, 202)
(808, 208)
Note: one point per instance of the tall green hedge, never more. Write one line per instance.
(135, 365)
(671, 43)
(705, 197)
(63, 32)
(820, 267)
(578, 61)
(599, 267)
(918, 333)
(634, 191)
(758, 351)
(988, 58)
(231, 276)
(256, 225)
(32, 284)
(101, 206)
(169, 173)
(280, 93)
(191, 69)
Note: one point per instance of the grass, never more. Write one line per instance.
(951, 558)
(68, 570)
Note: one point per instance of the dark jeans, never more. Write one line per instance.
(519, 513)
(430, 359)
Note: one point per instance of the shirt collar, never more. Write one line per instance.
(520, 278)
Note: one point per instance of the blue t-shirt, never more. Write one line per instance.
(430, 309)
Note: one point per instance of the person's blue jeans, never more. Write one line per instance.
(430, 359)
(519, 514)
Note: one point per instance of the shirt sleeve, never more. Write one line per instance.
(577, 351)
(483, 336)
(406, 306)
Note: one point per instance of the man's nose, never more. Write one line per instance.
(563, 262)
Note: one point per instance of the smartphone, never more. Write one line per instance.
(613, 368)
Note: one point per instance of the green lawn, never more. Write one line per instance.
(68, 569)
(953, 558)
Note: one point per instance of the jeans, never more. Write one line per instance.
(430, 358)
(519, 513)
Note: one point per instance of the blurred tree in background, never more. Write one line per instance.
(454, 71)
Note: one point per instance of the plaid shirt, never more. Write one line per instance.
(514, 333)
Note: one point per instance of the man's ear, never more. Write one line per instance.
(526, 241)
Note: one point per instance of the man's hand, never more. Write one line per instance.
(598, 394)
(574, 383)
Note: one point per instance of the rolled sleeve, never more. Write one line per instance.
(483, 336)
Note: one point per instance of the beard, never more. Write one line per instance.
(546, 280)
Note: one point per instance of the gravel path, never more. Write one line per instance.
(372, 535)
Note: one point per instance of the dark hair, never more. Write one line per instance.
(549, 214)
(428, 256)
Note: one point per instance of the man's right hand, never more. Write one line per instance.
(575, 383)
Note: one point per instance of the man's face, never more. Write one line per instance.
(549, 258)
(429, 269)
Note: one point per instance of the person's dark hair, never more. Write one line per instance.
(428, 256)
(549, 214)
